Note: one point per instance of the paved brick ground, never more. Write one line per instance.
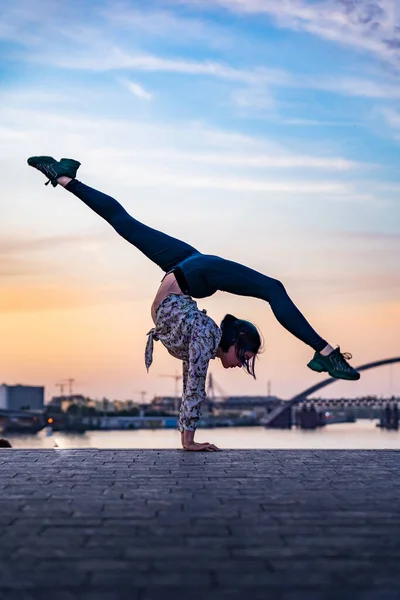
(249, 524)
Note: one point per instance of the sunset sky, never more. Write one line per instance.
(266, 132)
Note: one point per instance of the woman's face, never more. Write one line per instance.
(230, 359)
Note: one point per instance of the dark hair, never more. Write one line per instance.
(4, 443)
(246, 338)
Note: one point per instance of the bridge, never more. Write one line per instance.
(274, 414)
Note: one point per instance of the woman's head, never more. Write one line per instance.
(240, 343)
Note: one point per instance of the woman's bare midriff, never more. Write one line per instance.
(169, 285)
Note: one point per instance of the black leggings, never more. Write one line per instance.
(205, 274)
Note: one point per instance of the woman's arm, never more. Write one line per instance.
(194, 391)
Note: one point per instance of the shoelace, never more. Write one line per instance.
(48, 171)
(341, 358)
(346, 355)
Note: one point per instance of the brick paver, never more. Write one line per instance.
(238, 524)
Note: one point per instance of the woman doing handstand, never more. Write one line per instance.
(187, 332)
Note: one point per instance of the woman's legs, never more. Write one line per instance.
(206, 274)
(239, 279)
(161, 248)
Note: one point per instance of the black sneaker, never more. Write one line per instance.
(335, 364)
(53, 169)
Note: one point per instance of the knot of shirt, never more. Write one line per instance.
(148, 353)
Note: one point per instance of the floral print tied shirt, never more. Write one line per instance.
(191, 336)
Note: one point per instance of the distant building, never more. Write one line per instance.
(21, 397)
(229, 403)
(58, 401)
(164, 402)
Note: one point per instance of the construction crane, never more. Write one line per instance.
(61, 386)
(177, 377)
(211, 387)
(70, 381)
(212, 400)
(62, 383)
(142, 395)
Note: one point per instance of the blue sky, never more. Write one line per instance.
(267, 132)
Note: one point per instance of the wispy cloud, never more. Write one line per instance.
(355, 86)
(253, 99)
(387, 122)
(27, 243)
(26, 255)
(97, 48)
(337, 283)
(319, 122)
(371, 26)
(115, 58)
(380, 237)
(191, 156)
(137, 90)
(33, 297)
(39, 273)
(275, 160)
(166, 24)
(157, 141)
(392, 117)
(240, 184)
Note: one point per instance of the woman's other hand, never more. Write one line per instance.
(201, 447)
(188, 443)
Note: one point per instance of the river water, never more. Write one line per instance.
(363, 434)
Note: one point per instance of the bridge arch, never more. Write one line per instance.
(303, 395)
(325, 382)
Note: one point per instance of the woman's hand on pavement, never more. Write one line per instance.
(201, 447)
